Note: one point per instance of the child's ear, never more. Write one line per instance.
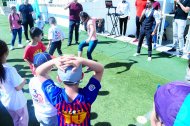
(82, 76)
(58, 79)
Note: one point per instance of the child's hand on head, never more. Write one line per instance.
(72, 61)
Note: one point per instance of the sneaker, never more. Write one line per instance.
(136, 40)
(136, 54)
(172, 50)
(180, 54)
(76, 43)
(20, 46)
(27, 41)
(154, 47)
(149, 58)
(11, 48)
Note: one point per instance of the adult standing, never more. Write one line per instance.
(15, 27)
(140, 6)
(149, 15)
(123, 9)
(26, 12)
(74, 20)
(179, 24)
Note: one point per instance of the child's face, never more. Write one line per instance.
(37, 39)
(13, 10)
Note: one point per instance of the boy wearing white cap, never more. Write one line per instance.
(72, 103)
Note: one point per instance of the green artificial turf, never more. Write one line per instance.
(128, 83)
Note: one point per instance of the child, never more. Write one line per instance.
(15, 27)
(55, 36)
(72, 103)
(171, 105)
(11, 94)
(34, 47)
(92, 40)
(46, 114)
(40, 23)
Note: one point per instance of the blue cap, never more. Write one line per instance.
(70, 77)
(41, 58)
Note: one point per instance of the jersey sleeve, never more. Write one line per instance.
(26, 53)
(16, 79)
(91, 90)
(53, 93)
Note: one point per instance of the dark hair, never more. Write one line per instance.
(189, 63)
(52, 20)
(3, 50)
(84, 15)
(35, 32)
(151, 1)
(13, 7)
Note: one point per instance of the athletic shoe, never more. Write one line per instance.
(20, 46)
(172, 50)
(136, 54)
(27, 41)
(136, 40)
(154, 47)
(180, 54)
(11, 48)
(149, 58)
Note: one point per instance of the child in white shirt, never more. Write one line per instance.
(55, 36)
(40, 23)
(45, 113)
(11, 95)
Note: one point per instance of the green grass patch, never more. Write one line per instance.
(128, 84)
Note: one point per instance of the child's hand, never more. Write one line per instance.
(72, 61)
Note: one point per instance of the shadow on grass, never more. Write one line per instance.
(24, 71)
(102, 124)
(103, 93)
(121, 64)
(15, 60)
(160, 55)
(106, 42)
(93, 115)
(131, 125)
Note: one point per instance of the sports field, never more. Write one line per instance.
(128, 84)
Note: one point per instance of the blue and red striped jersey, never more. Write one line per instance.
(77, 112)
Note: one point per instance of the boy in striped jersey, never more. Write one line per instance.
(73, 103)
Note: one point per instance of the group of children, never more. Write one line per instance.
(53, 105)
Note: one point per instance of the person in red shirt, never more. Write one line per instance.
(140, 6)
(34, 47)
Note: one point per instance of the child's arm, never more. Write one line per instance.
(29, 62)
(92, 31)
(10, 22)
(18, 88)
